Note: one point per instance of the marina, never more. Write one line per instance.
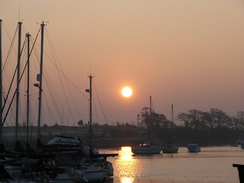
(185, 54)
(217, 164)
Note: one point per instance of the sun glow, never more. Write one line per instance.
(126, 91)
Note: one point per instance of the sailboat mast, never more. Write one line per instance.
(151, 117)
(90, 117)
(40, 80)
(28, 87)
(1, 89)
(172, 120)
(150, 104)
(18, 81)
(90, 127)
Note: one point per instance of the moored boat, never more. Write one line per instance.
(193, 147)
(90, 165)
(170, 148)
(146, 148)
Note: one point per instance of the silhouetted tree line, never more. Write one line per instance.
(213, 127)
(208, 128)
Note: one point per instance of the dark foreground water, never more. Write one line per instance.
(211, 165)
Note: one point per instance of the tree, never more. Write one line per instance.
(239, 123)
(186, 119)
(156, 124)
(219, 119)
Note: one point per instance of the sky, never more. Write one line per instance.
(186, 53)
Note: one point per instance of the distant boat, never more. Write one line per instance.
(169, 147)
(146, 148)
(194, 147)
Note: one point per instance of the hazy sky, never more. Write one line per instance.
(183, 52)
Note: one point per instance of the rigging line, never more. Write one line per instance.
(35, 40)
(9, 107)
(11, 45)
(53, 98)
(56, 56)
(31, 48)
(66, 98)
(50, 114)
(10, 86)
(66, 77)
(14, 92)
(23, 46)
(37, 69)
(11, 83)
(51, 93)
(100, 104)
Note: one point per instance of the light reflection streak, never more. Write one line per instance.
(125, 153)
(127, 166)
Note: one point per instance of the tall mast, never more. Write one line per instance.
(150, 104)
(151, 115)
(18, 82)
(172, 120)
(90, 122)
(28, 86)
(1, 89)
(40, 80)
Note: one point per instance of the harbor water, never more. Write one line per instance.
(211, 165)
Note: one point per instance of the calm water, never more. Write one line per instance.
(212, 165)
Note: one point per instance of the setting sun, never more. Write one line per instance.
(126, 91)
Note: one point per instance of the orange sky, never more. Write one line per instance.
(189, 53)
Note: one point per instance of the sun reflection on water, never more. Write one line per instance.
(125, 153)
(127, 166)
(126, 180)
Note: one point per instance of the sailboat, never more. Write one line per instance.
(147, 147)
(170, 147)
